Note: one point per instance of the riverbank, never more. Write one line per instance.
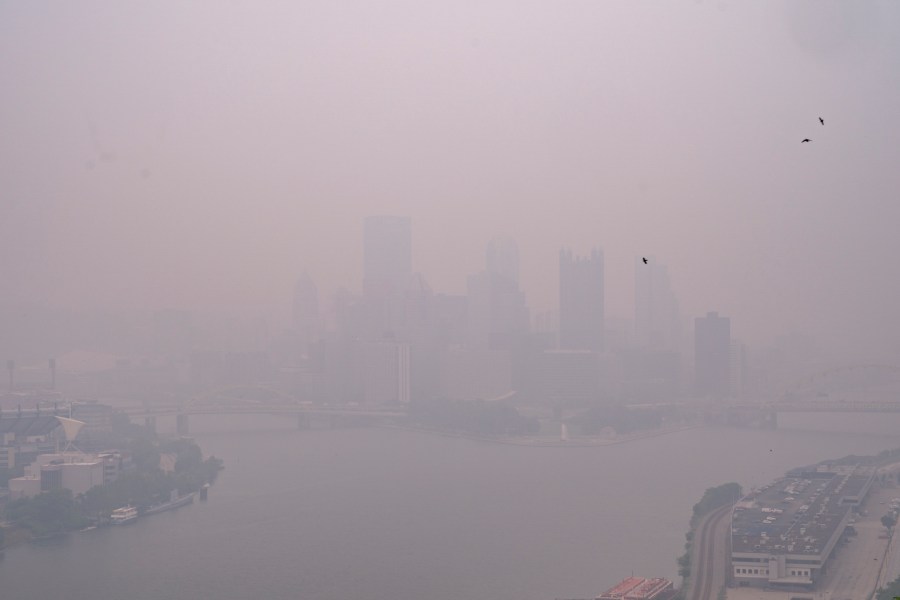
(17, 536)
(546, 442)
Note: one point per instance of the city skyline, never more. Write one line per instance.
(468, 124)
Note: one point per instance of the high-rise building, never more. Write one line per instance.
(737, 368)
(306, 312)
(712, 356)
(497, 314)
(387, 376)
(656, 320)
(502, 258)
(581, 301)
(387, 268)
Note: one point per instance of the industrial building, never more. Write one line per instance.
(784, 533)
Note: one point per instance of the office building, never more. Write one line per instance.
(386, 372)
(656, 319)
(306, 313)
(581, 301)
(387, 268)
(712, 356)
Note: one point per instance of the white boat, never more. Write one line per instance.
(123, 515)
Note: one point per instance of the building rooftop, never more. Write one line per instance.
(795, 515)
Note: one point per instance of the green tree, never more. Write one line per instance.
(888, 521)
(891, 592)
(47, 513)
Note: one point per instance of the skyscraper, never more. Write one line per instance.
(581, 301)
(497, 314)
(387, 374)
(502, 258)
(387, 268)
(656, 320)
(306, 312)
(712, 341)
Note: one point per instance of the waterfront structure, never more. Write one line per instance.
(387, 268)
(712, 338)
(581, 304)
(784, 533)
(74, 471)
(640, 588)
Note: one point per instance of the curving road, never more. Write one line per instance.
(709, 558)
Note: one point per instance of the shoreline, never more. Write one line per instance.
(21, 536)
(531, 442)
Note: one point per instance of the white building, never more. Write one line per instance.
(73, 471)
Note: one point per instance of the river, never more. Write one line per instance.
(381, 514)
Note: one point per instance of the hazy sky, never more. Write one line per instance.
(202, 155)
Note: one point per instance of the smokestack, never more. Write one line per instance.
(52, 373)
(11, 367)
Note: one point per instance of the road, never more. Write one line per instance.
(710, 552)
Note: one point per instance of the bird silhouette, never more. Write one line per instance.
(821, 120)
(803, 141)
(645, 261)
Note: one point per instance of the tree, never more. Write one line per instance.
(888, 521)
(47, 513)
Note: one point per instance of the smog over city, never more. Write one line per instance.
(490, 300)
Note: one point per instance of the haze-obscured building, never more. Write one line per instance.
(386, 372)
(581, 302)
(712, 341)
(74, 471)
(305, 313)
(387, 268)
(656, 318)
(23, 438)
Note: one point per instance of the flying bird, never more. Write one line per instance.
(821, 120)
(803, 141)
(645, 261)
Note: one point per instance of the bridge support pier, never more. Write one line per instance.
(181, 424)
(150, 424)
(771, 420)
(302, 421)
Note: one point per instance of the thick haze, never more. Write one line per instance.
(203, 155)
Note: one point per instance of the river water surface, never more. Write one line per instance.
(379, 514)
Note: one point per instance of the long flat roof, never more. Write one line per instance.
(794, 515)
